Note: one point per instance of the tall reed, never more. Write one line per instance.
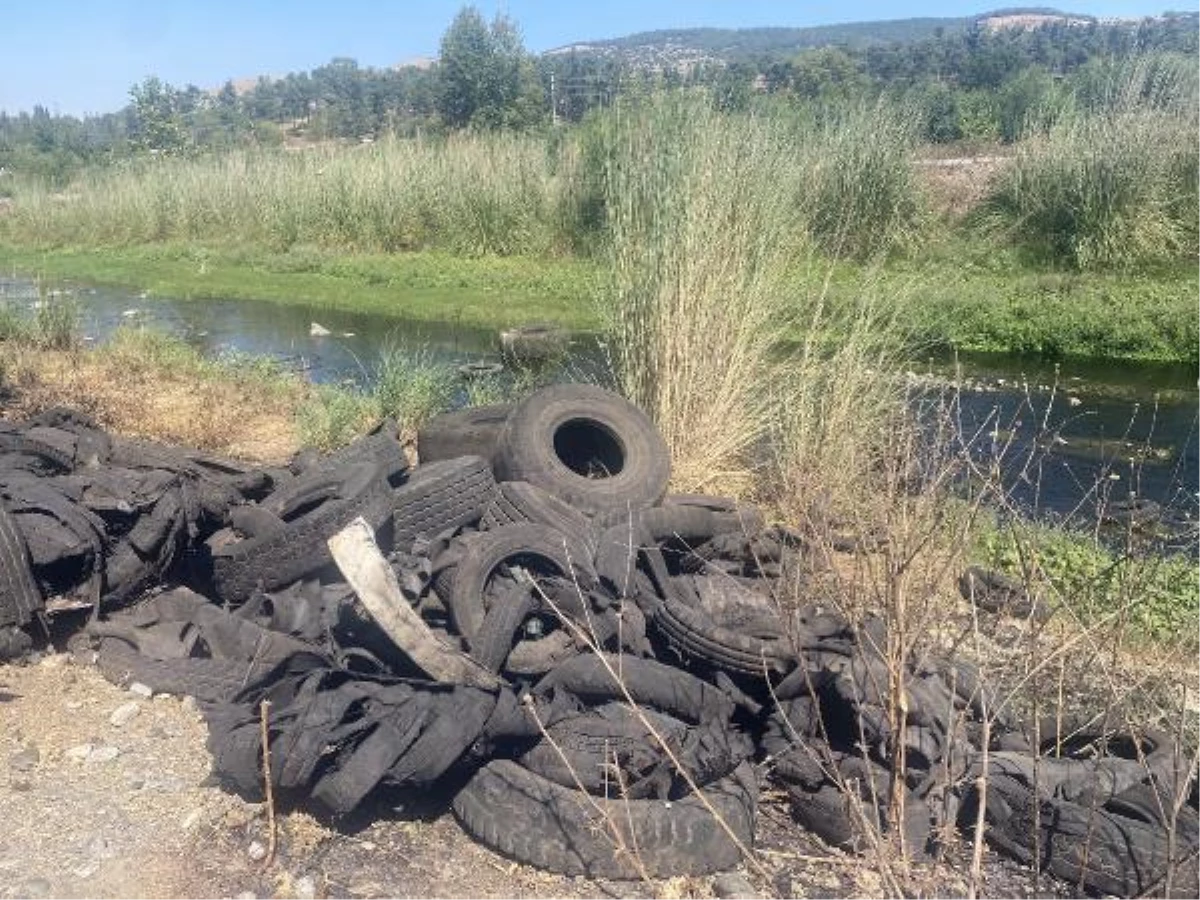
(1113, 182)
(469, 194)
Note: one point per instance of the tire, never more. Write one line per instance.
(732, 515)
(1102, 850)
(19, 594)
(517, 502)
(313, 508)
(587, 446)
(694, 634)
(468, 432)
(564, 831)
(380, 447)
(582, 750)
(494, 639)
(538, 546)
(439, 496)
(37, 456)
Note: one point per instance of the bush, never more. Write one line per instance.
(859, 193)
(1112, 183)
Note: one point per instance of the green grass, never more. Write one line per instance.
(487, 292)
(1157, 595)
(976, 298)
(1113, 184)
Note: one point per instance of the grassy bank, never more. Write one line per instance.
(420, 286)
(1053, 258)
(960, 297)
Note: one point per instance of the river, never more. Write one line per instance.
(1073, 433)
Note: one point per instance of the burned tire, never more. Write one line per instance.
(19, 594)
(587, 446)
(731, 515)
(565, 831)
(517, 502)
(313, 508)
(585, 751)
(440, 496)
(538, 549)
(695, 633)
(468, 432)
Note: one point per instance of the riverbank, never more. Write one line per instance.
(954, 297)
(430, 287)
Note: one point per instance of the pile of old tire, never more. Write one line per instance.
(644, 678)
(87, 519)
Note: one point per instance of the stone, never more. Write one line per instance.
(103, 754)
(192, 819)
(20, 784)
(124, 714)
(80, 752)
(256, 851)
(35, 888)
(25, 759)
(733, 886)
(305, 888)
(141, 690)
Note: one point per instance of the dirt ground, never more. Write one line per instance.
(108, 793)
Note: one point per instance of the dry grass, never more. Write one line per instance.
(134, 393)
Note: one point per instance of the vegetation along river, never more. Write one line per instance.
(1070, 434)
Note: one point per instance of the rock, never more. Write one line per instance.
(305, 888)
(20, 784)
(141, 690)
(246, 895)
(25, 759)
(189, 706)
(733, 886)
(256, 851)
(35, 888)
(124, 714)
(192, 819)
(103, 754)
(318, 330)
(55, 660)
(80, 752)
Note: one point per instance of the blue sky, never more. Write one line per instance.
(82, 56)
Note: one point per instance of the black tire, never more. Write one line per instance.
(380, 447)
(39, 456)
(732, 515)
(313, 508)
(516, 502)
(492, 643)
(474, 431)
(537, 547)
(582, 750)
(695, 635)
(440, 496)
(1102, 850)
(19, 594)
(564, 831)
(589, 447)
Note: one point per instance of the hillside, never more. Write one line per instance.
(741, 44)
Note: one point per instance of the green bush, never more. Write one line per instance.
(859, 193)
(1112, 183)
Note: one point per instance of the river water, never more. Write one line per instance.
(1070, 434)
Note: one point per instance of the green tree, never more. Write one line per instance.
(157, 121)
(485, 77)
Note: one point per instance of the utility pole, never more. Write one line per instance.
(553, 104)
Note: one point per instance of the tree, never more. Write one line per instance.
(485, 77)
(157, 121)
